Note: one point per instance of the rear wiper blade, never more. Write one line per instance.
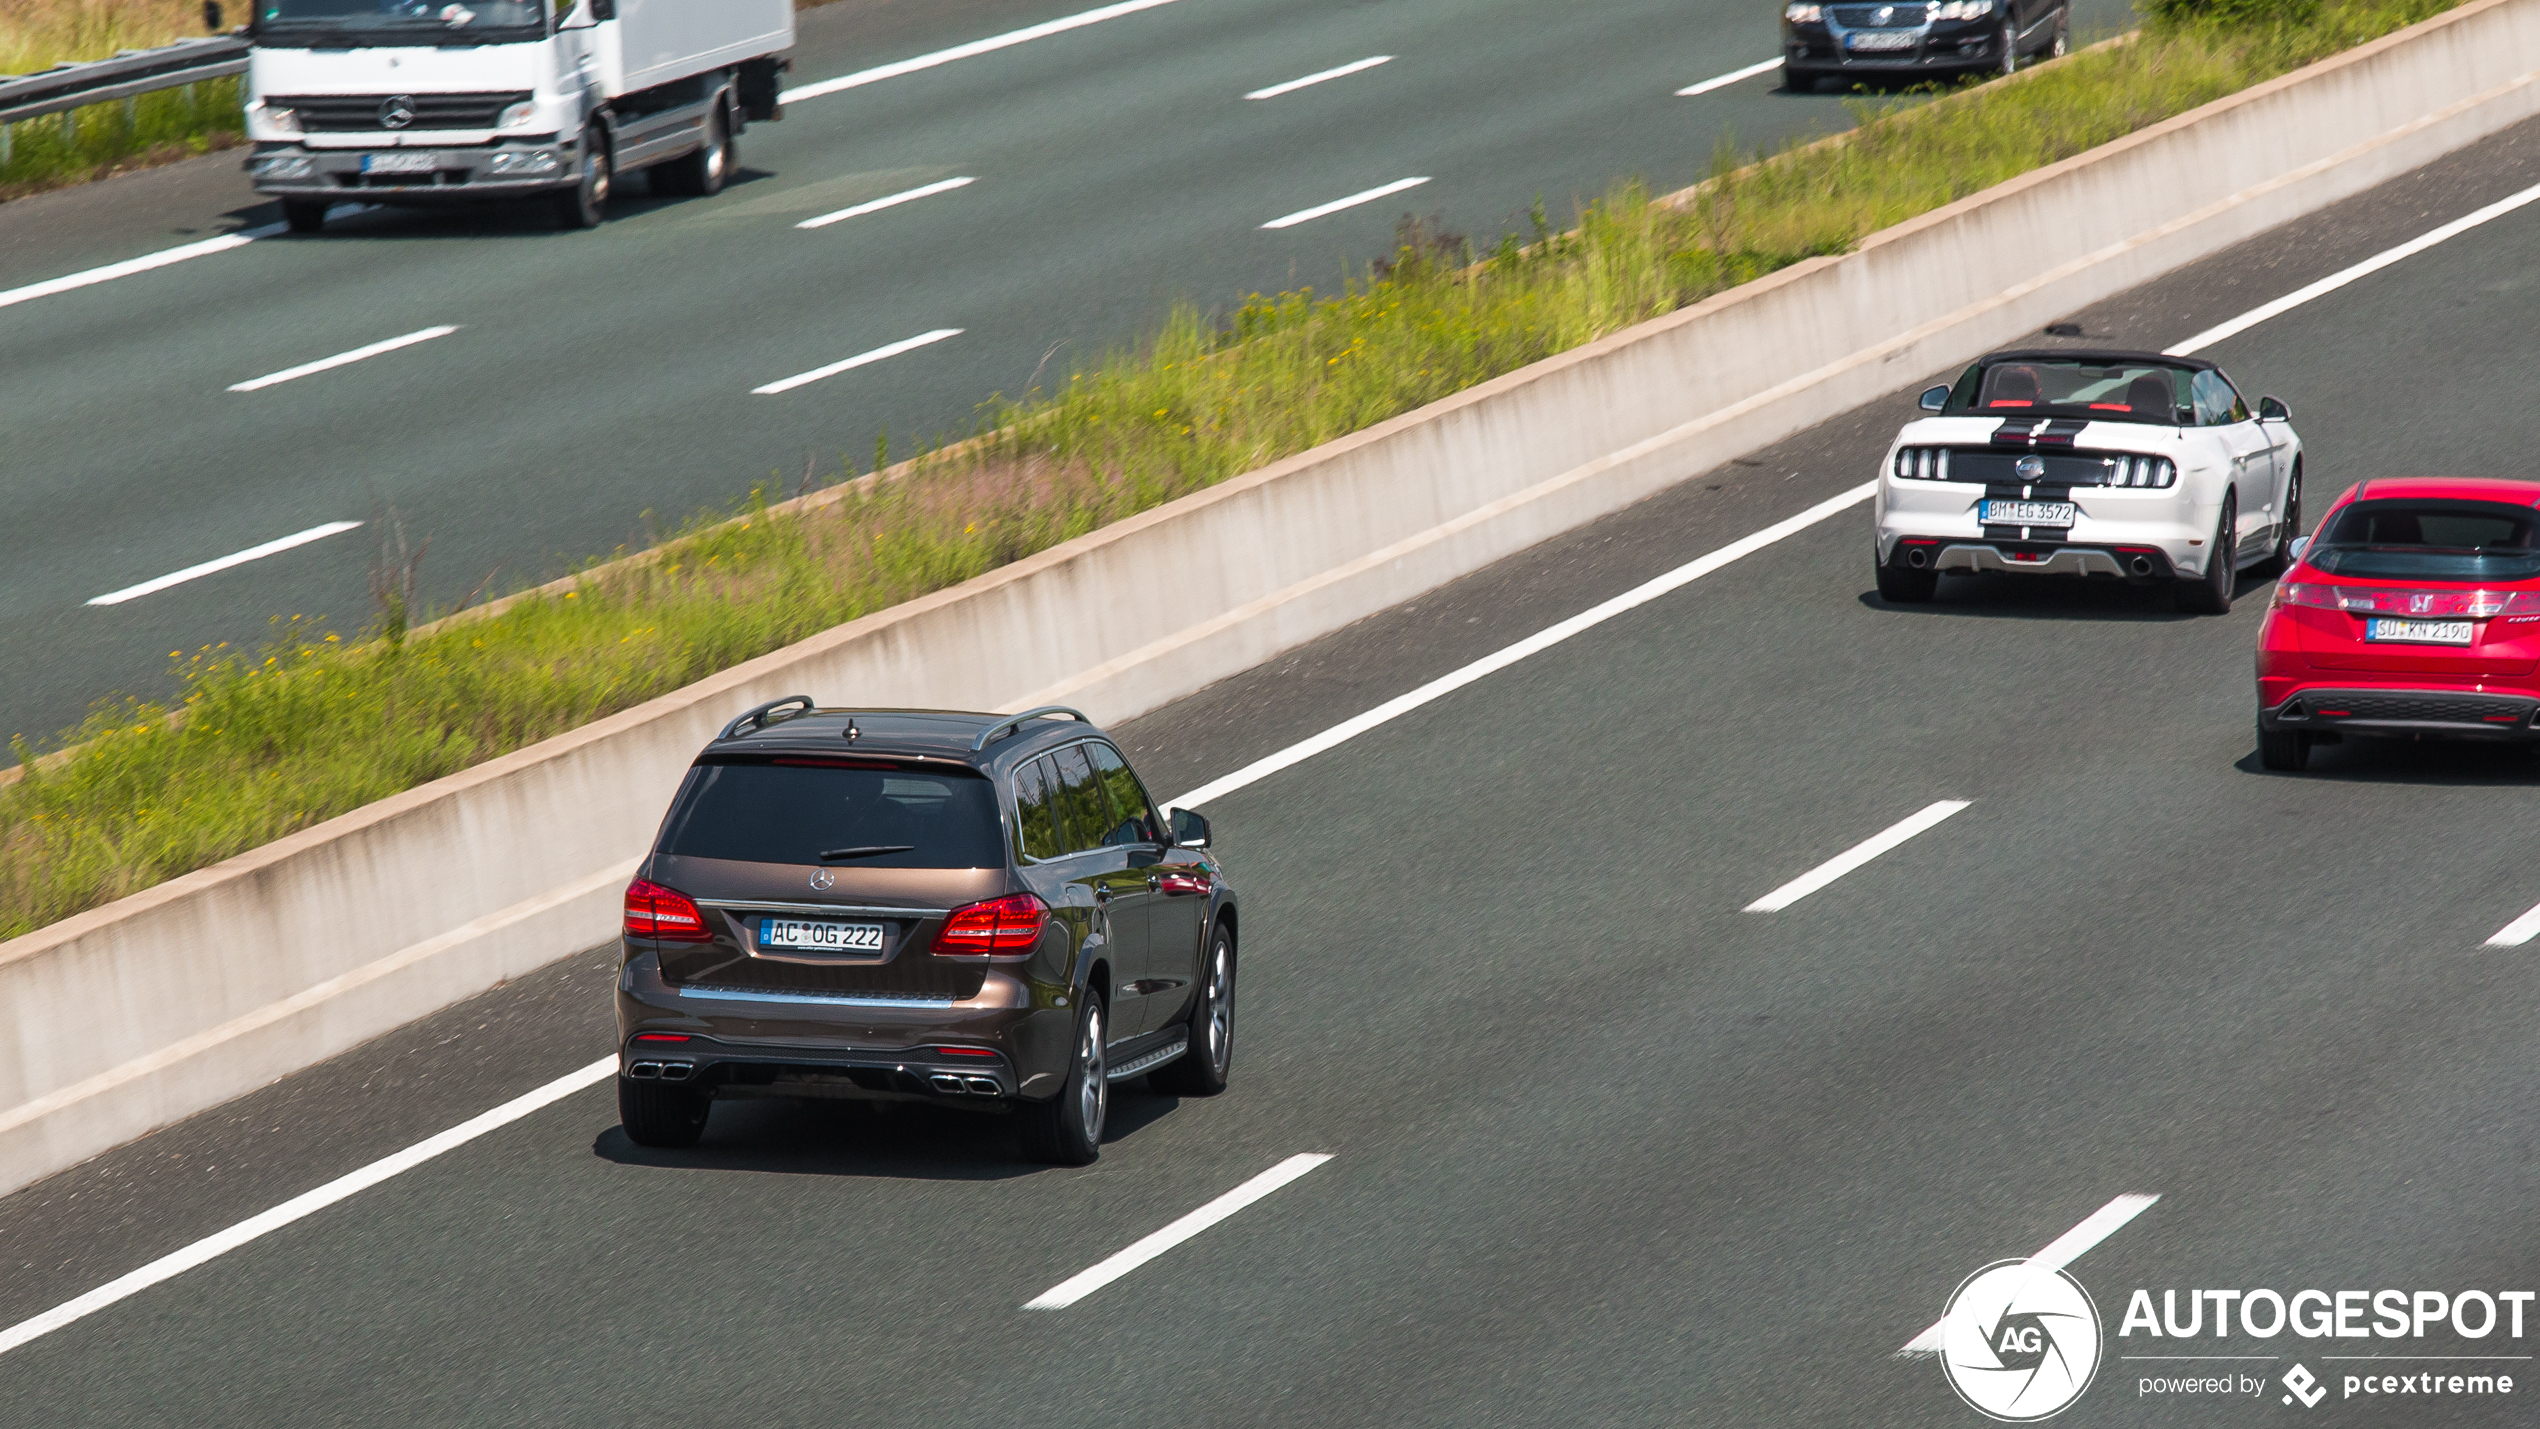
(863, 851)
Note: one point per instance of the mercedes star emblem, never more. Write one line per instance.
(822, 878)
(397, 111)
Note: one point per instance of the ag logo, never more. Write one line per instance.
(2020, 1342)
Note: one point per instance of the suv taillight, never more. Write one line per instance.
(664, 914)
(999, 927)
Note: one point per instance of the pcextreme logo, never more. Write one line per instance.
(2020, 1342)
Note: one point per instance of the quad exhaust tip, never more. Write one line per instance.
(953, 1086)
(643, 1071)
(660, 1071)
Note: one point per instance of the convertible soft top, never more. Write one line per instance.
(2111, 357)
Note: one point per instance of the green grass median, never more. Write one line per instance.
(260, 745)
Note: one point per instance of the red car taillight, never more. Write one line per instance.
(663, 914)
(998, 927)
(2431, 604)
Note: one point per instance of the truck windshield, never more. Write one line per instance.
(401, 22)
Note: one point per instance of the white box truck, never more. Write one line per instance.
(439, 101)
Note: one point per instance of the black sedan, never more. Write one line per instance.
(1889, 43)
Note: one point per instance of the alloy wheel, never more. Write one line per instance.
(1095, 1094)
(1221, 1007)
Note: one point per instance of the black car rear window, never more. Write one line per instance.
(791, 813)
(2400, 539)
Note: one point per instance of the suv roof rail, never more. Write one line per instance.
(757, 718)
(1001, 729)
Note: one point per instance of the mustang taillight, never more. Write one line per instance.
(1923, 463)
(663, 914)
(999, 927)
(2157, 471)
(2426, 604)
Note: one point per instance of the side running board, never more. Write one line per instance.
(1147, 1063)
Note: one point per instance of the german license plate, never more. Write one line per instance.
(797, 935)
(416, 161)
(2419, 632)
(2027, 513)
(1899, 40)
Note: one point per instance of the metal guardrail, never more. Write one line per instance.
(73, 86)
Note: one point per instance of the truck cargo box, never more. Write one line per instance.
(655, 42)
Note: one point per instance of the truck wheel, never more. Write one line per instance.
(304, 215)
(703, 173)
(586, 204)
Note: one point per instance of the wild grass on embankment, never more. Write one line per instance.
(275, 741)
(59, 149)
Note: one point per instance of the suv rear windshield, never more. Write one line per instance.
(2401, 539)
(2091, 391)
(852, 818)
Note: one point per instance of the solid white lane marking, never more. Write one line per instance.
(252, 553)
(2063, 1250)
(1336, 205)
(341, 359)
(879, 204)
(149, 261)
(2342, 277)
(1855, 856)
(1534, 644)
(1085, 1282)
(1011, 38)
(1353, 67)
(2518, 932)
(859, 360)
(222, 1242)
(1725, 80)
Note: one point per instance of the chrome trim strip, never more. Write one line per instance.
(725, 994)
(1149, 1062)
(825, 910)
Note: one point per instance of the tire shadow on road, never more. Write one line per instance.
(891, 1141)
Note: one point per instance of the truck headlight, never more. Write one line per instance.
(517, 115)
(280, 121)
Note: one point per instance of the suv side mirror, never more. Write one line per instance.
(1190, 829)
(2272, 410)
(1935, 398)
(2293, 549)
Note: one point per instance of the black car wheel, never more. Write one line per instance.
(1201, 1071)
(1066, 1130)
(2062, 44)
(2284, 750)
(1800, 81)
(1903, 585)
(2291, 524)
(2007, 46)
(304, 215)
(586, 204)
(2210, 593)
(655, 1114)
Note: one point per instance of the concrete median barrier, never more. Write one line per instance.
(171, 1001)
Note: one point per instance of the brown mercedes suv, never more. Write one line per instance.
(981, 911)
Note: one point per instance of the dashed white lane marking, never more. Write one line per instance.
(2063, 1250)
(1007, 40)
(150, 261)
(222, 1242)
(1534, 644)
(1094, 1277)
(2518, 932)
(859, 360)
(1353, 67)
(252, 553)
(341, 359)
(2342, 277)
(1336, 205)
(1855, 856)
(892, 201)
(1723, 81)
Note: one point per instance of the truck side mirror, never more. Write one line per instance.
(1935, 398)
(1190, 829)
(2272, 410)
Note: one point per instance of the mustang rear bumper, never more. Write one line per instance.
(2044, 558)
(2401, 713)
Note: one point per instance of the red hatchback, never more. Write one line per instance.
(2414, 611)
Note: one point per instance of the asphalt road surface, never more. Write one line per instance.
(600, 385)
(1605, 1148)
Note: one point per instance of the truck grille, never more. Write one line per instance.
(361, 113)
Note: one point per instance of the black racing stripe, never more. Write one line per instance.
(2017, 431)
(2060, 432)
